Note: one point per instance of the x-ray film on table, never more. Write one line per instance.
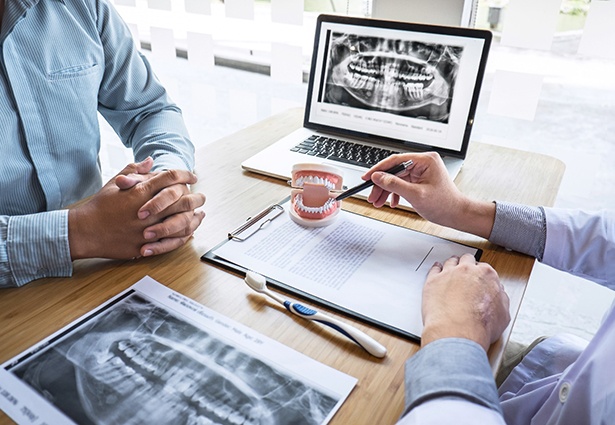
(152, 355)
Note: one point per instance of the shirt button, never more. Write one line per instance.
(564, 391)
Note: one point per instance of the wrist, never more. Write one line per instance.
(433, 333)
(78, 240)
(475, 217)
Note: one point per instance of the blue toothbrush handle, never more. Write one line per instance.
(368, 343)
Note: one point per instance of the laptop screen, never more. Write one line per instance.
(405, 84)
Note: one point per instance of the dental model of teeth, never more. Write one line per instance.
(313, 201)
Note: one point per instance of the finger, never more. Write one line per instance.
(168, 178)
(377, 196)
(467, 259)
(127, 178)
(160, 182)
(394, 200)
(168, 244)
(382, 200)
(138, 168)
(181, 224)
(162, 200)
(451, 262)
(389, 182)
(145, 166)
(127, 181)
(186, 202)
(435, 269)
(163, 246)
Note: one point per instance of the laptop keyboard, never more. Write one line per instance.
(342, 151)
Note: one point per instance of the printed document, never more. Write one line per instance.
(364, 266)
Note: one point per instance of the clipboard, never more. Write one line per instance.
(276, 217)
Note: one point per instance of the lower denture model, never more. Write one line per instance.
(315, 186)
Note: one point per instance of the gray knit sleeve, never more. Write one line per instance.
(520, 228)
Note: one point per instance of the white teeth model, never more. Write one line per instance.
(314, 210)
(301, 181)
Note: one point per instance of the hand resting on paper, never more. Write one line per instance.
(463, 298)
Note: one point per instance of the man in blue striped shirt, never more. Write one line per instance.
(61, 63)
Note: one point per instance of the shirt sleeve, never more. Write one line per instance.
(582, 243)
(578, 242)
(520, 228)
(34, 246)
(134, 102)
(450, 368)
(451, 411)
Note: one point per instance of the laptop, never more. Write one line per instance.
(382, 87)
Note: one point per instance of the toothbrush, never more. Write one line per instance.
(259, 284)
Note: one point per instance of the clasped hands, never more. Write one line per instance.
(137, 213)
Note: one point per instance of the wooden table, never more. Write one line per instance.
(33, 312)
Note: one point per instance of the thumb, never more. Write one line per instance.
(145, 166)
(138, 168)
(392, 183)
(130, 175)
(126, 182)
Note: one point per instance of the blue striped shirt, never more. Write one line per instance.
(62, 62)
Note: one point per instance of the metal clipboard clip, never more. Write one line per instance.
(256, 223)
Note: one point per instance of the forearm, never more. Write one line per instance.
(148, 122)
(517, 227)
(581, 243)
(163, 137)
(34, 246)
(574, 241)
(134, 102)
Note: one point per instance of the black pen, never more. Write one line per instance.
(369, 183)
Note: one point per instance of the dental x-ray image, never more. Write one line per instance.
(138, 363)
(407, 78)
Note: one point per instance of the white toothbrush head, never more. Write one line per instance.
(259, 284)
(256, 282)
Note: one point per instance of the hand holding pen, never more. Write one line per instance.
(398, 169)
(431, 191)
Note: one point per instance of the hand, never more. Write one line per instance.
(107, 224)
(431, 192)
(463, 298)
(175, 202)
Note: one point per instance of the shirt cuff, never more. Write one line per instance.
(520, 228)
(450, 367)
(37, 246)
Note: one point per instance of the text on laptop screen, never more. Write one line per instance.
(409, 86)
